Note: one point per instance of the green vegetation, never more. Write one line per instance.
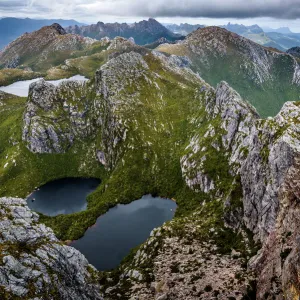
(150, 162)
(268, 97)
(267, 94)
(9, 76)
(84, 65)
(163, 111)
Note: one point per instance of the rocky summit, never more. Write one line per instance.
(295, 51)
(147, 123)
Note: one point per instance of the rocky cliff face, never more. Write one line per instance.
(144, 32)
(56, 116)
(34, 264)
(110, 87)
(159, 128)
(295, 51)
(264, 156)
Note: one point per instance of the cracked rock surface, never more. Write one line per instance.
(34, 264)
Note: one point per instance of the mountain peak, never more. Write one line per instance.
(295, 51)
(152, 20)
(209, 29)
(58, 28)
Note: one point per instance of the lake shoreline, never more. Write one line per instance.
(21, 88)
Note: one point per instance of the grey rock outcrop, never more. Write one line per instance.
(227, 131)
(111, 85)
(56, 116)
(34, 264)
(264, 156)
(295, 51)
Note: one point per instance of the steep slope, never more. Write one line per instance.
(295, 51)
(42, 49)
(278, 40)
(156, 127)
(12, 28)
(144, 32)
(265, 77)
(146, 90)
(263, 156)
(35, 264)
(139, 122)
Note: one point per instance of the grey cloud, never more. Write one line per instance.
(11, 4)
(283, 9)
(280, 9)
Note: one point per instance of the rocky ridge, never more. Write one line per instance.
(34, 264)
(55, 116)
(218, 54)
(144, 32)
(263, 155)
(295, 51)
(240, 170)
(47, 44)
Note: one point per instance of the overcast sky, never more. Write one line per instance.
(273, 13)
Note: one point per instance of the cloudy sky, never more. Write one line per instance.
(273, 13)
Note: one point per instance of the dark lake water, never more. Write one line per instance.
(63, 196)
(123, 228)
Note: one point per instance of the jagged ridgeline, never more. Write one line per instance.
(266, 77)
(144, 32)
(36, 53)
(146, 123)
(52, 53)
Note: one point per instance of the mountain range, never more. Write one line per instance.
(295, 51)
(280, 39)
(42, 49)
(144, 32)
(147, 31)
(12, 28)
(162, 122)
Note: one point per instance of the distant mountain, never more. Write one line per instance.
(42, 49)
(12, 28)
(254, 33)
(183, 29)
(295, 51)
(264, 76)
(283, 30)
(281, 41)
(144, 32)
(242, 29)
(284, 41)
